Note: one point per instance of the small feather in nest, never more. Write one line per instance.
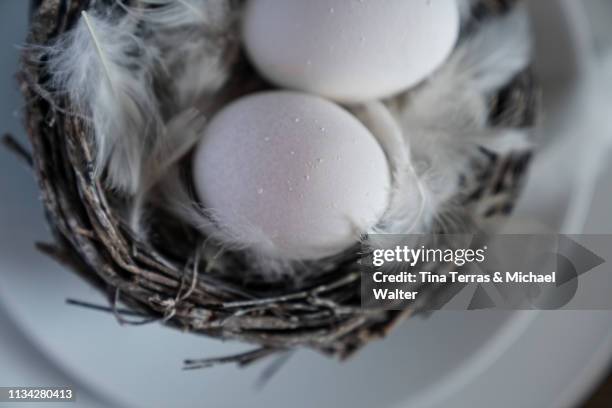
(106, 71)
(177, 197)
(195, 39)
(175, 141)
(408, 204)
(455, 99)
(445, 119)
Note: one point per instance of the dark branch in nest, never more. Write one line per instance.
(242, 359)
(272, 369)
(313, 293)
(122, 320)
(18, 149)
(101, 308)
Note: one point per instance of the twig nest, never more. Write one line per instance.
(115, 109)
(291, 175)
(350, 51)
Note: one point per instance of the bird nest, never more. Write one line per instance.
(174, 275)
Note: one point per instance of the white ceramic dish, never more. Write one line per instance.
(467, 359)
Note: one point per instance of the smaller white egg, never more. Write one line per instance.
(349, 50)
(292, 175)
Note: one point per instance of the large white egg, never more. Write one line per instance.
(292, 175)
(349, 50)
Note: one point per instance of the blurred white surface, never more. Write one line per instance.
(475, 359)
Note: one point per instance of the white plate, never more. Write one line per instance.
(467, 359)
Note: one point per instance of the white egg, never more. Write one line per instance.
(349, 50)
(291, 174)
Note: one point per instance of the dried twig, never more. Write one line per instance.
(272, 369)
(241, 359)
(108, 309)
(151, 279)
(17, 148)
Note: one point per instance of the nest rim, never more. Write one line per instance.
(93, 241)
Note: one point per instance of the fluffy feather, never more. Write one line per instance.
(106, 71)
(454, 99)
(107, 66)
(265, 259)
(408, 200)
(177, 138)
(445, 119)
(190, 36)
(196, 40)
(178, 14)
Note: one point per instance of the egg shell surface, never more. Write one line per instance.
(349, 50)
(291, 174)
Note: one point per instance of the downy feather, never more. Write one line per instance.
(445, 119)
(105, 70)
(455, 98)
(195, 38)
(176, 139)
(265, 258)
(192, 38)
(407, 202)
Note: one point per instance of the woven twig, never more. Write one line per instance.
(179, 290)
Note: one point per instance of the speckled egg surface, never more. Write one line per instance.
(349, 50)
(291, 174)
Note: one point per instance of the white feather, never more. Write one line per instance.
(498, 51)
(178, 137)
(265, 259)
(105, 69)
(455, 99)
(183, 205)
(178, 14)
(175, 140)
(445, 119)
(408, 204)
(194, 37)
